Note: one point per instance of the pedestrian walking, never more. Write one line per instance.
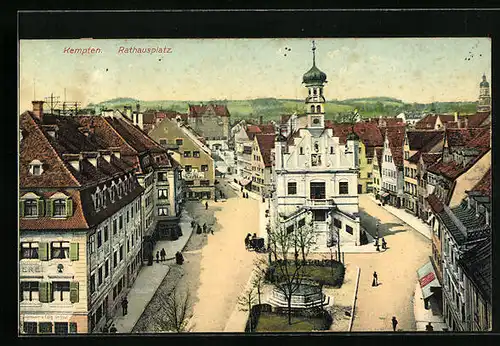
(206, 205)
(247, 242)
(429, 327)
(179, 259)
(163, 254)
(375, 279)
(376, 242)
(157, 256)
(112, 329)
(204, 228)
(384, 244)
(242, 189)
(394, 323)
(378, 248)
(124, 305)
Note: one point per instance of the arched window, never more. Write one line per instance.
(312, 109)
(318, 109)
(315, 91)
(59, 207)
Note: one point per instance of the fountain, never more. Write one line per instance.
(307, 295)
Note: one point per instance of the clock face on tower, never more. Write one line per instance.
(316, 121)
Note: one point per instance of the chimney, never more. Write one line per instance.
(106, 154)
(138, 107)
(74, 160)
(260, 120)
(466, 123)
(456, 116)
(38, 109)
(116, 152)
(139, 121)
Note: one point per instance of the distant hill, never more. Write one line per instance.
(272, 108)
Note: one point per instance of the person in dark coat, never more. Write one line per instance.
(375, 279)
(394, 323)
(384, 244)
(377, 247)
(179, 259)
(206, 205)
(429, 327)
(204, 228)
(247, 242)
(112, 329)
(124, 305)
(163, 254)
(157, 256)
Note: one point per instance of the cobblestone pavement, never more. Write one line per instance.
(396, 267)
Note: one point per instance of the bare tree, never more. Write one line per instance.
(175, 311)
(289, 271)
(305, 236)
(246, 301)
(259, 276)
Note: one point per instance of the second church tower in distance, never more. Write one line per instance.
(316, 176)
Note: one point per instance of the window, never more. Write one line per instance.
(29, 250)
(60, 290)
(163, 142)
(59, 207)
(121, 253)
(92, 244)
(99, 239)
(301, 151)
(29, 290)
(59, 249)
(187, 168)
(369, 175)
(106, 268)
(99, 276)
(45, 327)
(61, 327)
(115, 226)
(343, 188)
(187, 154)
(348, 229)
(312, 109)
(196, 154)
(189, 183)
(92, 283)
(337, 223)
(179, 141)
(36, 167)
(204, 168)
(30, 327)
(369, 160)
(31, 207)
(120, 223)
(162, 193)
(163, 211)
(115, 259)
(128, 216)
(317, 190)
(204, 182)
(106, 233)
(292, 188)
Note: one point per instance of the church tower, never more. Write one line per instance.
(484, 103)
(314, 80)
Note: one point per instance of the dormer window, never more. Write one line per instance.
(30, 208)
(31, 205)
(59, 205)
(36, 167)
(59, 208)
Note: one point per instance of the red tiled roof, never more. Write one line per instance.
(423, 140)
(435, 204)
(396, 136)
(267, 128)
(368, 132)
(461, 137)
(198, 110)
(429, 121)
(484, 185)
(378, 152)
(266, 143)
(482, 140)
(477, 119)
(452, 169)
(430, 158)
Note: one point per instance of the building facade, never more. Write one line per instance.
(392, 167)
(80, 226)
(315, 172)
(262, 164)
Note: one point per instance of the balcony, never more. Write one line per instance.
(320, 203)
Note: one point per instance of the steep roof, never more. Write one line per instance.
(461, 137)
(429, 121)
(266, 143)
(477, 263)
(368, 132)
(378, 152)
(430, 158)
(423, 140)
(452, 169)
(484, 185)
(478, 119)
(395, 136)
(198, 110)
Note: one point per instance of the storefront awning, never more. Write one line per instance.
(385, 194)
(244, 182)
(427, 279)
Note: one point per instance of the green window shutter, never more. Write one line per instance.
(69, 207)
(44, 292)
(72, 328)
(74, 292)
(73, 251)
(21, 208)
(41, 207)
(49, 205)
(43, 251)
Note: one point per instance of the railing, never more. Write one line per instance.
(319, 202)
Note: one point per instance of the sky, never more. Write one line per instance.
(422, 70)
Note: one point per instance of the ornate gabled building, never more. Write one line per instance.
(80, 225)
(392, 166)
(314, 172)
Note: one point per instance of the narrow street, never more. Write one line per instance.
(407, 251)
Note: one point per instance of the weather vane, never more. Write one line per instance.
(314, 54)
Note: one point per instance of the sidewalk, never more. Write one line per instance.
(149, 279)
(411, 220)
(424, 316)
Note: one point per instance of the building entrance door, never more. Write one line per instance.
(360, 188)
